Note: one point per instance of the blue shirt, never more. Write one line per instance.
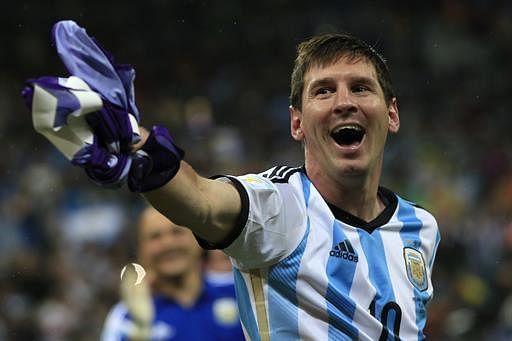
(214, 316)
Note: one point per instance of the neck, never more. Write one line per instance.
(355, 194)
(184, 289)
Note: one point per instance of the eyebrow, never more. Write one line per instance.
(364, 80)
(321, 82)
(330, 80)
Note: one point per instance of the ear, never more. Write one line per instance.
(296, 124)
(394, 118)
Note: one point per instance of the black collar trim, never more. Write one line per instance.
(388, 198)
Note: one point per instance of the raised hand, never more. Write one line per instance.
(60, 111)
(91, 117)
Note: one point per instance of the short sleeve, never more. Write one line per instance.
(274, 225)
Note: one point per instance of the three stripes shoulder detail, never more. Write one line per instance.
(280, 174)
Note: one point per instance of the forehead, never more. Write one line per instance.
(343, 67)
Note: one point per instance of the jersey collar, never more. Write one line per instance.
(388, 198)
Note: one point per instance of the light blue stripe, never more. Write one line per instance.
(283, 311)
(282, 287)
(244, 306)
(410, 234)
(306, 187)
(340, 308)
(373, 248)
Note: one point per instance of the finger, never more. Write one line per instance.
(144, 134)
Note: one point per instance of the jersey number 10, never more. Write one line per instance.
(390, 306)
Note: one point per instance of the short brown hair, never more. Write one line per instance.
(326, 49)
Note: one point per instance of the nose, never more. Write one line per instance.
(344, 104)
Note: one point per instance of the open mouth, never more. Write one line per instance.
(348, 135)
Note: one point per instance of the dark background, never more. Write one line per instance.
(217, 73)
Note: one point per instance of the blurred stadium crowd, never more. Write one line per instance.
(217, 74)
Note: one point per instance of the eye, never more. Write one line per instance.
(360, 88)
(323, 91)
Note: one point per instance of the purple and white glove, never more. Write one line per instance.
(92, 119)
(116, 124)
(60, 107)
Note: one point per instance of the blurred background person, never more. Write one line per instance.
(186, 305)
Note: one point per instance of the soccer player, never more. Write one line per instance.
(182, 299)
(321, 251)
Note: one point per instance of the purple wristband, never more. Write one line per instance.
(156, 163)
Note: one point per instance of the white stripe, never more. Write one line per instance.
(276, 173)
(267, 172)
(288, 172)
(74, 82)
(69, 139)
(428, 236)
(313, 318)
(135, 129)
(89, 102)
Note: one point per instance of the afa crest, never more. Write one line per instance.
(416, 270)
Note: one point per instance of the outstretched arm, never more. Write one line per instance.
(208, 207)
(92, 118)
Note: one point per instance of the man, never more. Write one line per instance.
(182, 299)
(321, 251)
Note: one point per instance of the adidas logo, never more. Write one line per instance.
(344, 250)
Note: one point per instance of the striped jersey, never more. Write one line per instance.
(305, 269)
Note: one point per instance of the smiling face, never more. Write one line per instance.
(165, 248)
(344, 119)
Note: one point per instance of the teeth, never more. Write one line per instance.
(350, 126)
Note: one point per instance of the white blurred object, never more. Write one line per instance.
(95, 223)
(136, 294)
(139, 270)
(56, 320)
(459, 321)
(227, 145)
(40, 179)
